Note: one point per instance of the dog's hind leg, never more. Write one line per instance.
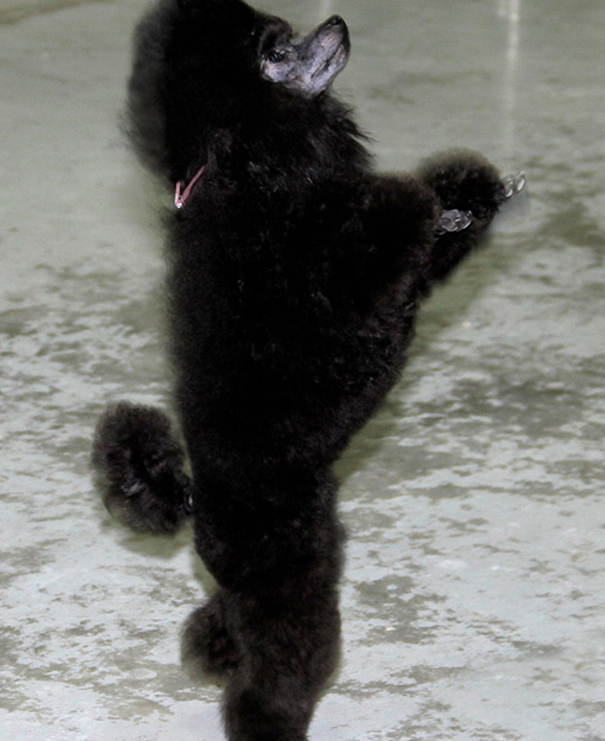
(138, 466)
(273, 630)
(289, 653)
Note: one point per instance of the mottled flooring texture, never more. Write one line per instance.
(474, 592)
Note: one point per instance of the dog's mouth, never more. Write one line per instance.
(309, 64)
(333, 64)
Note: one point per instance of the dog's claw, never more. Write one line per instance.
(453, 221)
(514, 184)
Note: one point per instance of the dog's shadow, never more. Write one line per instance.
(447, 307)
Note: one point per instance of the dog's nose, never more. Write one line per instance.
(335, 20)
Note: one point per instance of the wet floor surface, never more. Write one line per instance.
(474, 593)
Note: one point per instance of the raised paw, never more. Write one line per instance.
(466, 182)
(138, 467)
(470, 191)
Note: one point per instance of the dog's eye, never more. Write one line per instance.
(275, 55)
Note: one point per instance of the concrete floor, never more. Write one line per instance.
(474, 593)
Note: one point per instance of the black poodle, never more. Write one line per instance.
(295, 273)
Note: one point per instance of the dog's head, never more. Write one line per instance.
(306, 65)
(207, 65)
(263, 44)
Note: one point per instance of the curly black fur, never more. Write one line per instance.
(138, 469)
(295, 272)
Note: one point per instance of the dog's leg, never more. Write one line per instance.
(466, 182)
(273, 630)
(138, 465)
(291, 648)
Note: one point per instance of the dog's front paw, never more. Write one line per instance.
(466, 182)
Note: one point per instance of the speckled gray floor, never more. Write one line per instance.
(474, 593)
